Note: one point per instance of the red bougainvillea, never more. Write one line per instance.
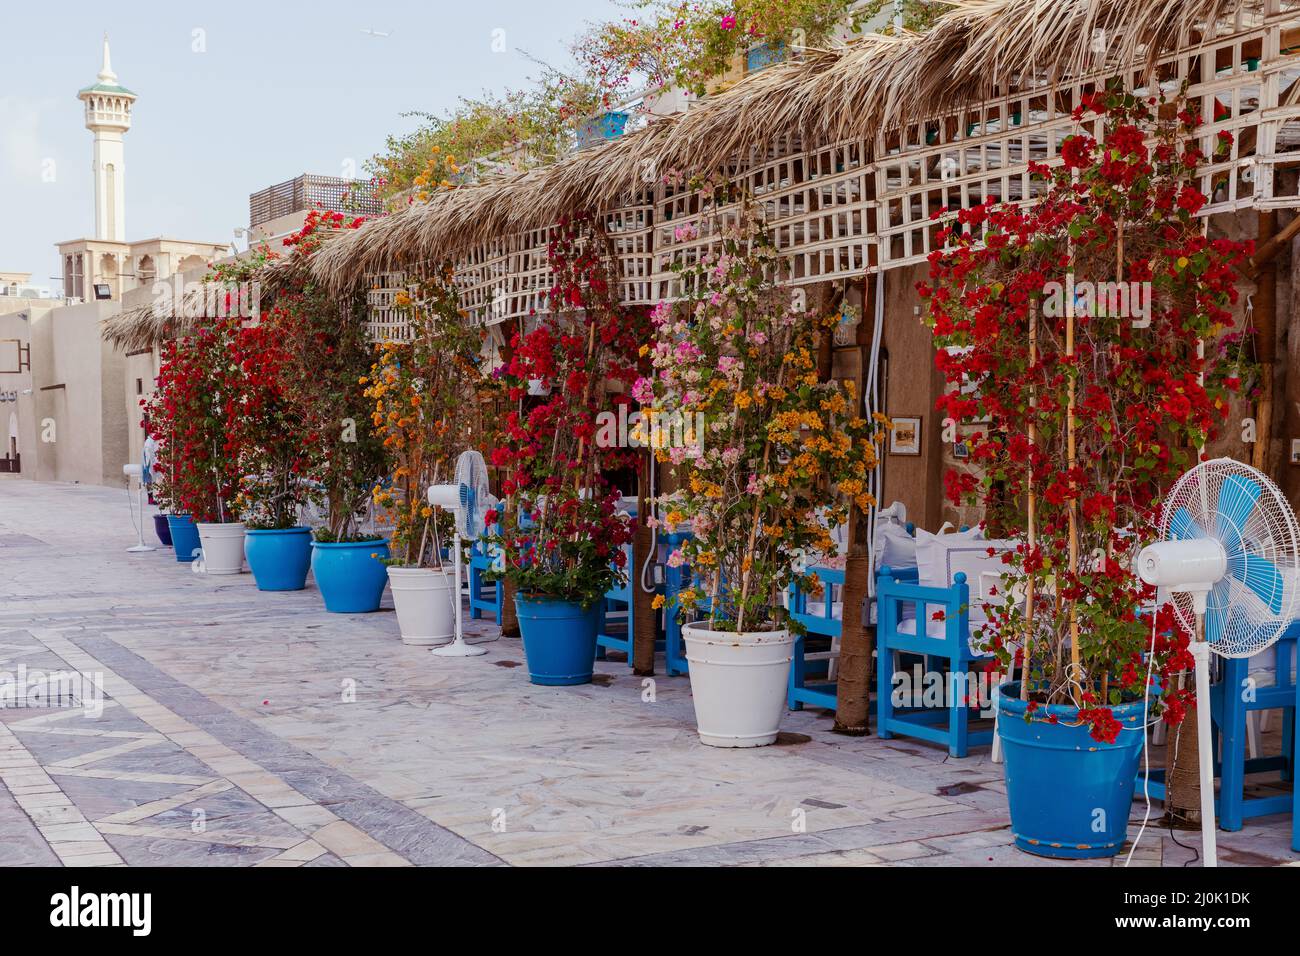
(561, 531)
(1081, 339)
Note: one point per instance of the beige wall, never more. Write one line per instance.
(78, 388)
(17, 395)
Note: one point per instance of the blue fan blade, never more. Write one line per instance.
(1237, 499)
(1216, 607)
(1183, 526)
(1261, 576)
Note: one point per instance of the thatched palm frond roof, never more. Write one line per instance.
(145, 326)
(974, 51)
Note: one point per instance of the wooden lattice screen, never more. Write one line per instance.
(841, 210)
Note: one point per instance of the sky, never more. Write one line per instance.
(236, 96)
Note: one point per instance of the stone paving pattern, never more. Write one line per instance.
(243, 728)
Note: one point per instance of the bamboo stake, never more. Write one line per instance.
(1070, 459)
(1032, 507)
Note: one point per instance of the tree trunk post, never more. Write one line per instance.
(641, 627)
(853, 684)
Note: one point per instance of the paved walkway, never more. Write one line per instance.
(245, 728)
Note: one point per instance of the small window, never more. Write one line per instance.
(139, 386)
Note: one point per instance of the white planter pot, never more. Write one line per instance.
(739, 683)
(423, 599)
(223, 547)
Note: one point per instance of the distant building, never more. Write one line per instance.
(280, 210)
(106, 265)
(68, 400)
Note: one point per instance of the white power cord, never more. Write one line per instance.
(1146, 741)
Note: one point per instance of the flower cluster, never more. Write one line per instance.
(559, 526)
(783, 455)
(1068, 332)
(427, 398)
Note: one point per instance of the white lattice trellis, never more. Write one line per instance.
(828, 205)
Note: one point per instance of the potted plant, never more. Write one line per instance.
(772, 460)
(425, 394)
(273, 452)
(1069, 333)
(327, 357)
(559, 527)
(198, 390)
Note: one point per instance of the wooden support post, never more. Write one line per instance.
(642, 625)
(853, 684)
(1265, 338)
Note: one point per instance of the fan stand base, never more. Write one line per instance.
(458, 649)
(139, 549)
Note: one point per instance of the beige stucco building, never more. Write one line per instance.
(65, 395)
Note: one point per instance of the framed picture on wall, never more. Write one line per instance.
(905, 436)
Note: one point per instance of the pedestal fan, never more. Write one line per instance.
(1228, 558)
(467, 499)
(136, 473)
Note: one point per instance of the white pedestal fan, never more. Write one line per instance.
(467, 499)
(136, 473)
(1228, 558)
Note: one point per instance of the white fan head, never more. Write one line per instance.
(1258, 595)
(474, 498)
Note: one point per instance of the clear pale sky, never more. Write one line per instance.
(282, 88)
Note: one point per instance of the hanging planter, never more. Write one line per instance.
(424, 600)
(163, 530)
(350, 574)
(559, 639)
(223, 546)
(738, 682)
(185, 537)
(278, 557)
(1069, 793)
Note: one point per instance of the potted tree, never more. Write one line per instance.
(273, 452)
(559, 526)
(198, 392)
(426, 398)
(1081, 340)
(772, 460)
(328, 357)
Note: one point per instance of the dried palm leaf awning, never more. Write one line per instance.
(977, 50)
(184, 309)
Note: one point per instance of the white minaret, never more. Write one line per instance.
(108, 116)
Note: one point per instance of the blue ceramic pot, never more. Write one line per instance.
(1069, 795)
(162, 530)
(559, 639)
(185, 537)
(279, 558)
(351, 576)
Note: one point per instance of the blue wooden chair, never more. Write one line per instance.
(820, 623)
(675, 581)
(949, 725)
(483, 595)
(614, 631)
(1295, 790)
(1232, 700)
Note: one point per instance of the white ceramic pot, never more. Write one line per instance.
(423, 600)
(223, 547)
(739, 684)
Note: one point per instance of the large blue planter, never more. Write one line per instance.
(163, 530)
(279, 558)
(351, 576)
(185, 537)
(559, 639)
(1069, 795)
